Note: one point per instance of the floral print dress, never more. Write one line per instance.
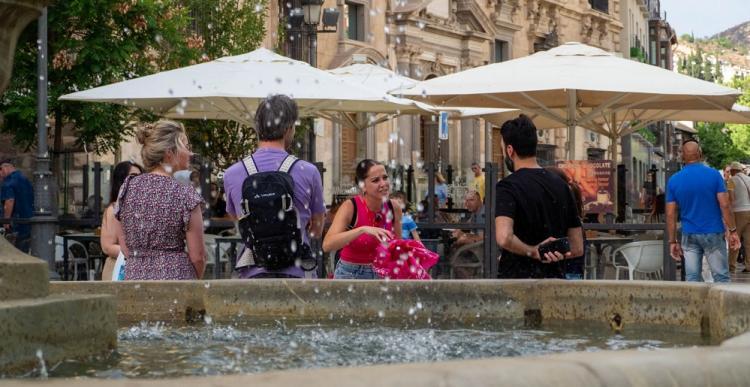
(154, 211)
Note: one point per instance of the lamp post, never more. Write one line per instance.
(310, 14)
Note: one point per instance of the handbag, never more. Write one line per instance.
(118, 273)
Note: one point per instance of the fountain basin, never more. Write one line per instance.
(718, 312)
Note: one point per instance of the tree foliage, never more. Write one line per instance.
(717, 145)
(98, 42)
(222, 28)
(740, 133)
(93, 43)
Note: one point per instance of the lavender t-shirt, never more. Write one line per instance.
(308, 190)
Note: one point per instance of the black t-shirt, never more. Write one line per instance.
(541, 205)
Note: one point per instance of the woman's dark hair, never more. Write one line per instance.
(118, 177)
(520, 133)
(360, 174)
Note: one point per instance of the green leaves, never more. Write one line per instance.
(97, 42)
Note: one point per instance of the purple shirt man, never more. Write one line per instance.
(275, 126)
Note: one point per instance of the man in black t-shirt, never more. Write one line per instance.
(534, 206)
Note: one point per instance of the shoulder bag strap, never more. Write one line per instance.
(353, 221)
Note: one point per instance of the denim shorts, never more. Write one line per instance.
(346, 270)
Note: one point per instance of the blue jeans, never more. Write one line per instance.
(714, 247)
(346, 270)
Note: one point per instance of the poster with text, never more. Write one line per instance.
(595, 179)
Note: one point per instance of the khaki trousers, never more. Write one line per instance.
(742, 222)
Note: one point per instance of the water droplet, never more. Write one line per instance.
(208, 320)
(207, 285)
(381, 314)
(412, 311)
(136, 286)
(293, 345)
(421, 24)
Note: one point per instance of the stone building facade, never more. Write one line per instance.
(423, 39)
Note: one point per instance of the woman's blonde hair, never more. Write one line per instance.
(157, 139)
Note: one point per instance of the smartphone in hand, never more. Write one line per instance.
(561, 246)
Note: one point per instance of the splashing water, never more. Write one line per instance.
(159, 351)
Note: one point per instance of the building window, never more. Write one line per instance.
(545, 154)
(600, 5)
(354, 21)
(500, 51)
(595, 154)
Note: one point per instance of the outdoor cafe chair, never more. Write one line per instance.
(645, 257)
(78, 256)
(468, 258)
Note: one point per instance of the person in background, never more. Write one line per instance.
(218, 205)
(738, 187)
(408, 226)
(473, 203)
(441, 189)
(699, 194)
(17, 196)
(573, 267)
(157, 215)
(108, 238)
(363, 222)
(478, 183)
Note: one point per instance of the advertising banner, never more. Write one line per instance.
(595, 179)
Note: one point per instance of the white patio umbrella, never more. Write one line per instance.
(231, 88)
(384, 80)
(574, 85)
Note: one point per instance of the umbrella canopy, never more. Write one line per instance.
(629, 120)
(583, 82)
(231, 88)
(383, 80)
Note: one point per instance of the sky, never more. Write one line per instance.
(705, 17)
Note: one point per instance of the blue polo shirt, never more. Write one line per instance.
(17, 187)
(694, 190)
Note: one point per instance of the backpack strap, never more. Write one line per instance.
(288, 163)
(250, 166)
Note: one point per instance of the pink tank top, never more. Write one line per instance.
(361, 251)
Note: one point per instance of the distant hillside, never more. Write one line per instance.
(739, 35)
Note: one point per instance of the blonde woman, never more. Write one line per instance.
(158, 216)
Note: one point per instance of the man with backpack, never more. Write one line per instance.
(277, 199)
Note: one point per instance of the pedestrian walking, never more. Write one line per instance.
(700, 197)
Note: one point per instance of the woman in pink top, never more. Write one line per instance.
(363, 222)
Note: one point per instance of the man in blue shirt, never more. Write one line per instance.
(698, 192)
(17, 196)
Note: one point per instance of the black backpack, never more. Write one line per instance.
(269, 225)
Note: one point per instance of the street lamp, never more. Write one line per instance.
(310, 15)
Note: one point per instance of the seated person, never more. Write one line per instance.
(408, 226)
(473, 203)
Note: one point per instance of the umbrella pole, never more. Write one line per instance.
(572, 102)
(613, 154)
